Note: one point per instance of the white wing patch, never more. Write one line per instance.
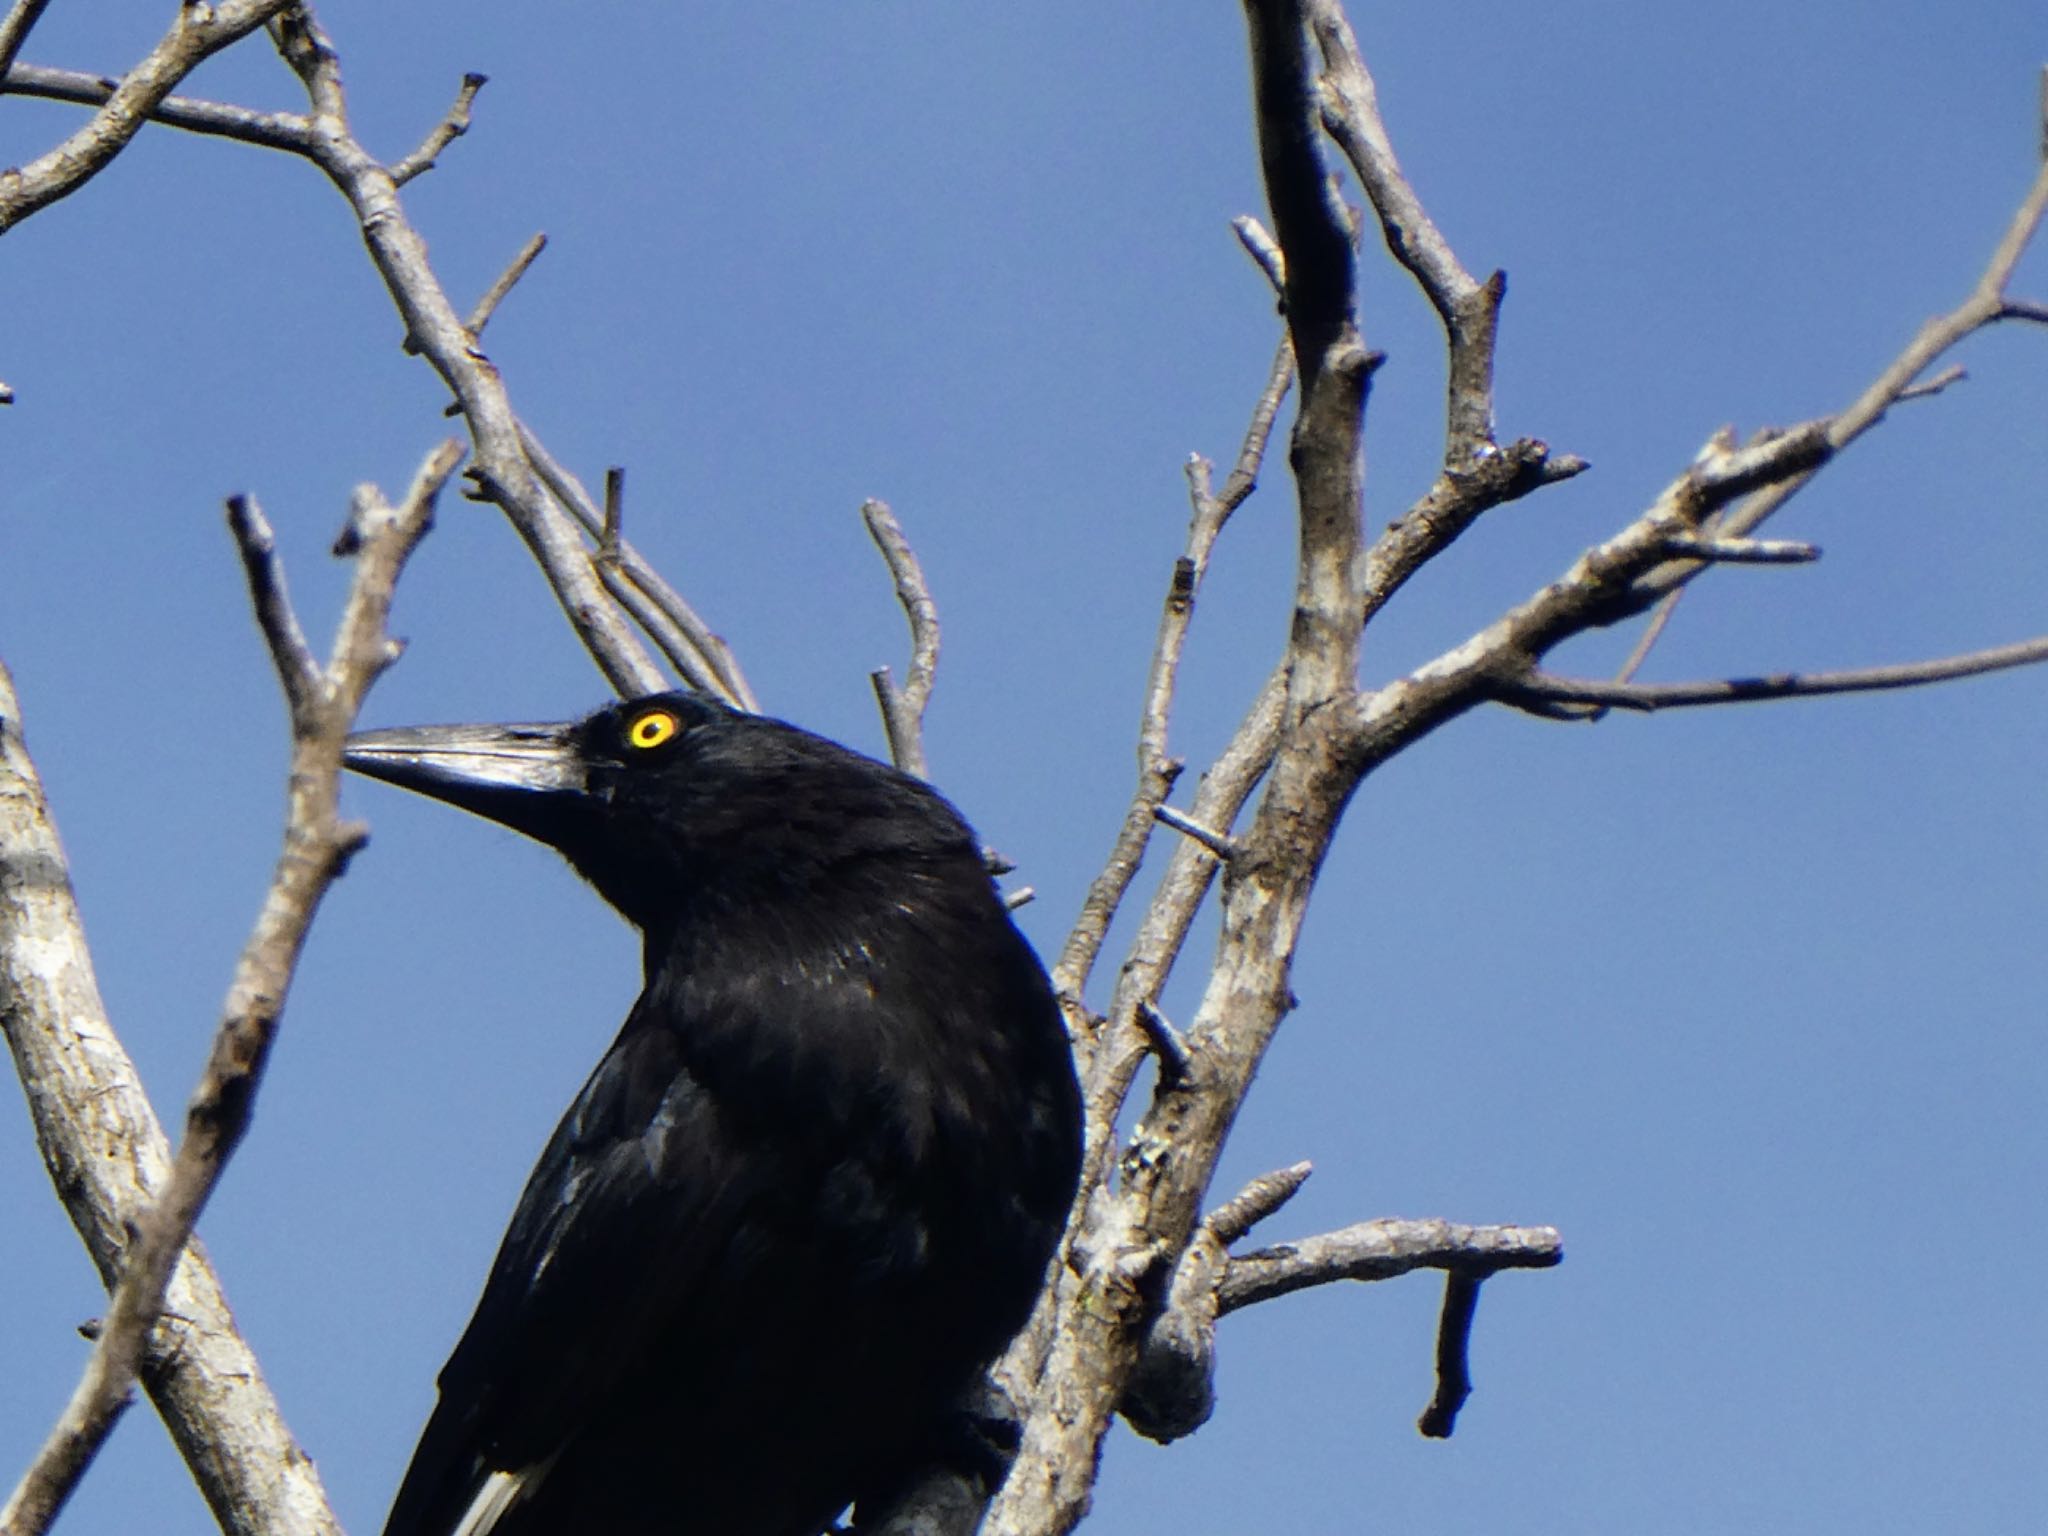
(500, 1491)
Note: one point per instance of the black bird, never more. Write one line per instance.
(814, 1184)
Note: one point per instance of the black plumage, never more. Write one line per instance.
(812, 1186)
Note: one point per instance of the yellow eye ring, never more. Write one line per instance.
(652, 729)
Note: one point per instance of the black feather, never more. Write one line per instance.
(814, 1184)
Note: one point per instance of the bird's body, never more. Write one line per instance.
(813, 1185)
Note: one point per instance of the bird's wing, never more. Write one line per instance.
(635, 1195)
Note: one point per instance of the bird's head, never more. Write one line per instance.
(670, 799)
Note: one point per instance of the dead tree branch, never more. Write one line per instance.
(109, 1160)
(269, 130)
(487, 306)
(1261, 1198)
(501, 468)
(1382, 1250)
(702, 659)
(903, 707)
(1158, 770)
(322, 703)
(1103, 1303)
(1453, 1356)
(15, 28)
(451, 127)
(1548, 689)
(197, 33)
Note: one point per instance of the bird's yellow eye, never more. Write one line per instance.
(652, 729)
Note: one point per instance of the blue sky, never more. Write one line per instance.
(1749, 1002)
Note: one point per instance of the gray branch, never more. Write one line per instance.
(903, 707)
(15, 28)
(1382, 1250)
(1544, 688)
(322, 704)
(196, 34)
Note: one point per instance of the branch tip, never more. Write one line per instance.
(1453, 1356)
(1216, 842)
(1259, 1199)
(1176, 1061)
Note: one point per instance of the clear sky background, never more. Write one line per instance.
(1749, 1002)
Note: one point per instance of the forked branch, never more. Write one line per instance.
(903, 706)
(322, 703)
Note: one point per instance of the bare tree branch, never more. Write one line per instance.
(487, 306)
(501, 469)
(1158, 771)
(1470, 310)
(108, 1159)
(271, 130)
(1687, 546)
(1548, 688)
(318, 843)
(15, 28)
(1168, 1044)
(1986, 305)
(1453, 1356)
(298, 670)
(446, 132)
(1102, 1301)
(1259, 1199)
(702, 659)
(1382, 1250)
(199, 32)
(1216, 842)
(1264, 249)
(903, 708)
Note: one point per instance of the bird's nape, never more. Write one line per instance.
(814, 1184)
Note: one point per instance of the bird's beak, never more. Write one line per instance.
(502, 772)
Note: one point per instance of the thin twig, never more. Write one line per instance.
(1453, 1355)
(15, 28)
(1243, 478)
(447, 131)
(1264, 250)
(1652, 632)
(495, 294)
(197, 33)
(1549, 688)
(614, 512)
(1258, 1200)
(1987, 304)
(1167, 1043)
(1954, 373)
(108, 1158)
(1470, 310)
(1382, 1250)
(270, 130)
(700, 657)
(1216, 842)
(903, 707)
(317, 847)
(501, 470)
(1157, 770)
(1741, 551)
(298, 671)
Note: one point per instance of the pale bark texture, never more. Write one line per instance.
(1154, 1258)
